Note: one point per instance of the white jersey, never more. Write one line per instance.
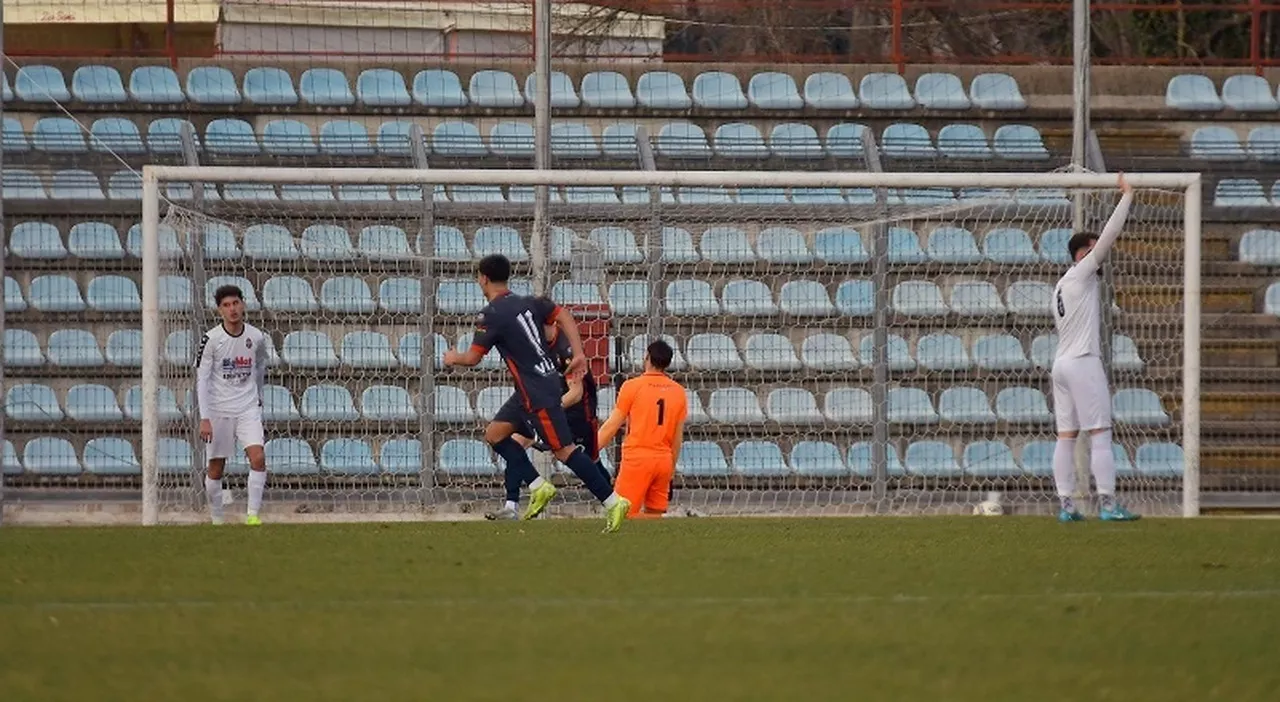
(1076, 305)
(231, 371)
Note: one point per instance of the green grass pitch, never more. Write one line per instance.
(751, 609)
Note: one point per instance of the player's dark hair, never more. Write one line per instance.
(226, 291)
(660, 354)
(1078, 241)
(495, 267)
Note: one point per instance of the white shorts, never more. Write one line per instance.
(247, 428)
(1081, 399)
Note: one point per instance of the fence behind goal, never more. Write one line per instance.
(851, 343)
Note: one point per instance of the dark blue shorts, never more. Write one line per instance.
(572, 426)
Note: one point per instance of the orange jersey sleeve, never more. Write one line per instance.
(655, 405)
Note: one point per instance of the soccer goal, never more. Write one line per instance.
(852, 343)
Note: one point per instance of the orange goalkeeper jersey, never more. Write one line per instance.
(654, 405)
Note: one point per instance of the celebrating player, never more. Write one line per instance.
(513, 324)
(1081, 399)
(231, 368)
(654, 407)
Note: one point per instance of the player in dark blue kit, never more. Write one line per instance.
(513, 324)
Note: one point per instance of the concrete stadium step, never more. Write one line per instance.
(1235, 379)
(1261, 353)
(1241, 327)
(1251, 406)
(1168, 298)
(1242, 458)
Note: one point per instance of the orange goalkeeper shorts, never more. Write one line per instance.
(645, 482)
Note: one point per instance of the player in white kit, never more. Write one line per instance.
(231, 371)
(1081, 399)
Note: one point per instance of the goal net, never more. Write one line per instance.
(850, 344)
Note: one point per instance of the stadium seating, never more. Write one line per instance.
(1247, 93)
(1192, 92)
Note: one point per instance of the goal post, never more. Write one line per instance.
(815, 402)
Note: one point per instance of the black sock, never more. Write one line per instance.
(604, 472)
(588, 471)
(520, 470)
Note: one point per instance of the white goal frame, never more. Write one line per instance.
(1189, 184)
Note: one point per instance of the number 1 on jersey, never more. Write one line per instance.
(662, 410)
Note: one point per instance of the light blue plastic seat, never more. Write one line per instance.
(437, 87)
(1022, 405)
(747, 298)
(567, 292)
(492, 88)
(476, 193)
(942, 352)
(507, 139)
(677, 246)
(113, 293)
(290, 456)
(124, 185)
(1216, 143)
(740, 140)
(1029, 297)
(918, 298)
(327, 242)
(175, 293)
(990, 459)
(1053, 245)
(450, 244)
(212, 85)
(629, 298)
(735, 406)
(934, 459)
(14, 301)
(308, 349)
(409, 350)
(499, 240)
(39, 83)
(885, 91)
(37, 241)
(230, 137)
(1008, 245)
(325, 87)
(116, 135)
(618, 244)
(897, 353)
(702, 459)
(965, 405)
(844, 140)
(829, 91)
(770, 352)
(395, 138)
(164, 135)
(682, 140)
(690, 298)
(155, 85)
(385, 242)
(726, 245)
(952, 245)
(32, 402)
(22, 350)
(759, 459)
(346, 456)
(783, 245)
(966, 141)
(996, 91)
(817, 196)
(1240, 192)
(718, 90)
(1260, 247)
(663, 90)
(452, 406)
(278, 404)
(563, 96)
(941, 91)
(907, 140)
(860, 462)
(75, 184)
(827, 352)
(459, 296)
(910, 406)
(346, 295)
(607, 89)
(382, 87)
(805, 298)
(287, 293)
(401, 457)
(1124, 354)
(1160, 460)
(351, 192)
(1192, 92)
(1249, 93)
(795, 140)
(489, 401)
(1138, 406)
(619, 141)
(22, 184)
(1037, 458)
(818, 459)
(14, 138)
(840, 245)
(976, 298)
(636, 350)
(269, 86)
(58, 135)
(1019, 142)
(712, 352)
(847, 406)
(1043, 348)
(387, 403)
(773, 91)
(288, 137)
(269, 242)
(400, 295)
(112, 456)
(55, 293)
(999, 352)
(50, 455)
(91, 402)
(457, 139)
(573, 140)
(328, 403)
(792, 406)
(762, 196)
(174, 456)
(856, 298)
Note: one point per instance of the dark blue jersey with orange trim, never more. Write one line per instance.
(513, 324)
(563, 353)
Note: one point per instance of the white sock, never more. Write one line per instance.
(611, 500)
(537, 483)
(257, 483)
(510, 505)
(1103, 464)
(1064, 468)
(213, 492)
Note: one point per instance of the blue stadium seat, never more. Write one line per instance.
(840, 245)
(287, 293)
(32, 402)
(1260, 247)
(155, 85)
(563, 96)
(55, 293)
(607, 89)
(965, 405)
(591, 195)
(401, 457)
(289, 456)
(387, 403)
(847, 405)
(963, 141)
(952, 245)
(1022, 405)
(58, 135)
(629, 298)
(1249, 93)
(1215, 143)
(911, 406)
(897, 353)
(174, 456)
(827, 352)
(1043, 348)
(762, 196)
(1124, 354)
(885, 91)
(619, 141)
(325, 87)
(467, 458)
(1240, 192)
(450, 244)
(459, 296)
(805, 298)
(783, 245)
(636, 350)
(792, 406)
(7, 91)
(773, 91)
(164, 135)
(740, 140)
(269, 242)
(212, 85)
(817, 196)
(1053, 245)
(861, 464)
(818, 459)
(1138, 406)
(996, 91)
(512, 139)
(712, 352)
(976, 298)
(795, 140)
(15, 139)
(718, 90)
(387, 243)
(990, 459)
(1009, 245)
(230, 137)
(747, 298)
(395, 138)
(942, 352)
(288, 137)
(118, 135)
(488, 401)
(663, 90)
(328, 403)
(726, 245)
(327, 242)
(400, 295)
(770, 352)
(476, 193)
(682, 140)
(90, 402)
(856, 298)
(409, 350)
(39, 83)
(179, 350)
(941, 91)
(278, 404)
(617, 243)
(1019, 142)
(50, 455)
(308, 349)
(22, 184)
(98, 84)
(346, 295)
(997, 352)
(907, 140)
(1264, 143)
(269, 86)
(343, 456)
(735, 406)
(1037, 458)
(75, 184)
(175, 293)
(829, 91)
(11, 465)
(690, 298)
(704, 195)
(1192, 92)
(1029, 297)
(499, 240)
(36, 240)
(759, 459)
(453, 407)
(458, 139)
(21, 349)
(844, 140)
(702, 459)
(918, 298)
(524, 193)
(935, 459)
(492, 88)
(1160, 460)
(14, 301)
(382, 87)
(113, 293)
(220, 243)
(567, 292)
(573, 140)
(437, 87)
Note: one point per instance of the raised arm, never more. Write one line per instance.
(1093, 260)
(622, 408)
(481, 342)
(574, 395)
(204, 378)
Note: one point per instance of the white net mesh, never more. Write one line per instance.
(772, 298)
